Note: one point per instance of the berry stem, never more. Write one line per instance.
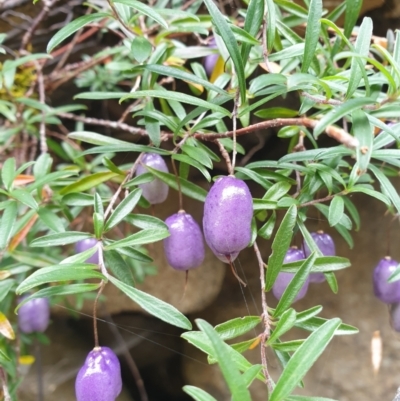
(96, 334)
(225, 155)
(178, 181)
(234, 126)
(235, 274)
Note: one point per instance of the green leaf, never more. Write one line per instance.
(370, 192)
(154, 306)
(198, 394)
(192, 162)
(59, 290)
(78, 199)
(187, 187)
(231, 45)
(280, 246)
(302, 360)
(116, 263)
(5, 287)
(362, 48)
(266, 230)
(144, 9)
(25, 197)
(140, 238)
(98, 225)
(123, 209)
(312, 33)
(231, 374)
(307, 398)
(322, 264)
(88, 182)
(42, 165)
(184, 76)
(51, 220)
(315, 322)
(285, 323)
(72, 27)
(339, 112)
(352, 14)
(95, 139)
(8, 173)
(387, 186)
(252, 23)
(308, 314)
(336, 210)
(236, 327)
(64, 272)
(363, 131)
(276, 112)
(7, 223)
(145, 221)
(141, 49)
(64, 238)
(295, 285)
(177, 96)
(271, 26)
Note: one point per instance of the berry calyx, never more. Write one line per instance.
(155, 191)
(327, 247)
(282, 281)
(99, 379)
(228, 211)
(84, 245)
(34, 316)
(386, 292)
(184, 248)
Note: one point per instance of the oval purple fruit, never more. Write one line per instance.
(211, 60)
(99, 379)
(228, 211)
(184, 248)
(84, 245)
(292, 255)
(386, 292)
(327, 247)
(155, 191)
(34, 316)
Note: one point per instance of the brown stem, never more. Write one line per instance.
(178, 181)
(226, 157)
(265, 318)
(234, 126)
(235, 274)
(326, 199)
(96, 334)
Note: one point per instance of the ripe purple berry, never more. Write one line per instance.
(292, 255)
(386, 292)
(155, 191)
(99, 379)
(326, 245)
(184, 248)
(34, 316)
(84, 245)
(211, 60)
(228, 211)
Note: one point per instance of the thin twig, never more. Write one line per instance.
(225, 155)
(265, 318)
(264, 45)
(42, 99)
(3, 379)
(96, 333)
(234, 126)
(326, 199)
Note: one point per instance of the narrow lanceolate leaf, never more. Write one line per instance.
(362, 48)
(198, 394)
(252, 23)
(302, 360)
(25, 198)
(95, 139)
(280, 246)
(144, 9)
(7, 223)
(140, 238)
(65, 238)
(364, 132)
(59, 290)
(387, 186)
(336, 210)
(117, 265)
(187, 187)
(51, 220)
(312, 33)
(315, 322)
(88, 182)
(285, 323)
(154, 306)
(72, 27)
(145, 221)
(352, 14)
(123, 209)
(8, 173)
(236, 327)
(230, 372)
(230, 42)
(271, 26)
(5, 287)
(64, 272)
(321, 265)
(5, 327)
(339, 112)
(178, 97)
(295, 285)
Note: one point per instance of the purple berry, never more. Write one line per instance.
(327, 247)
(228, 211)
(184, 248)
(292, 255)
(34, 316)
(386, 292)
(84, 245)
(155, 191)
(395, 316)
(99, 379)
(211, 60)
